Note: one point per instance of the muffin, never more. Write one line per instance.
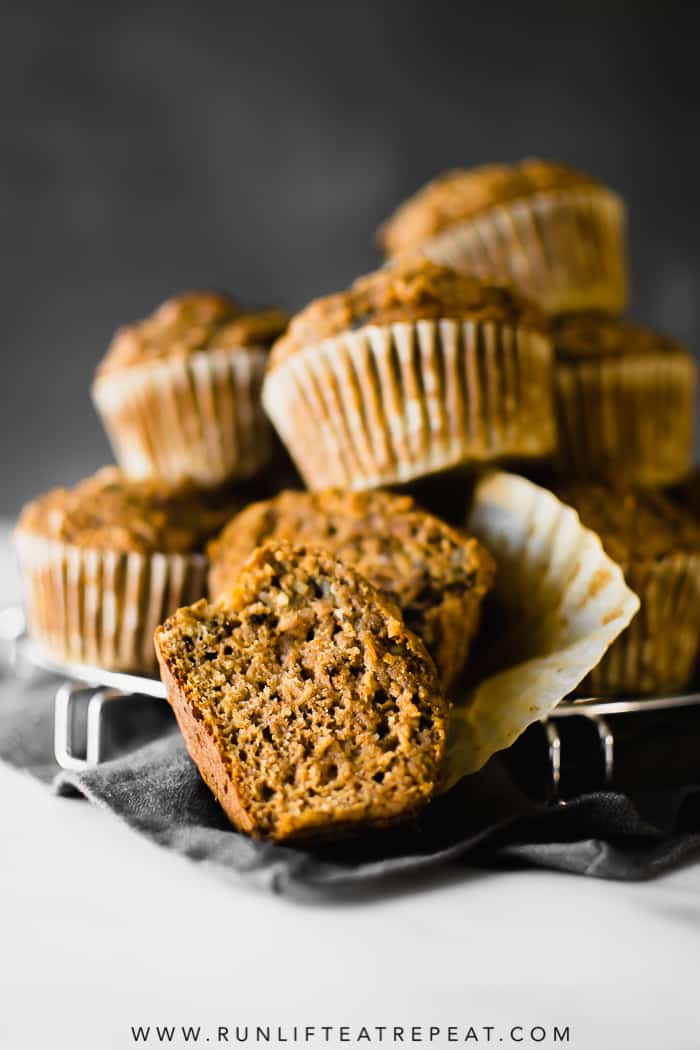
(412, 371)
(625, 399)
(179, 392)
(657, 546)
(308, 707)
(555, 234)
(105, 562)
(436, 574)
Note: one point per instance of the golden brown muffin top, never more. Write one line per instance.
(461, 194)
(396, 545)
(108, 512)
(595, 335)
(188, 324)
(414, 288)
(436, 574)
(636, 526)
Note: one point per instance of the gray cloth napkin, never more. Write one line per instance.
(150, 782)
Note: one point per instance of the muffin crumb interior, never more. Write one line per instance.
(324, 709)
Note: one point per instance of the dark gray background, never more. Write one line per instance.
(150, 148)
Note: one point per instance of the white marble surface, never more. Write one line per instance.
(112, 931)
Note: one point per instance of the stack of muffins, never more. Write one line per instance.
(494, 332)
(429, 365)
(107, 561)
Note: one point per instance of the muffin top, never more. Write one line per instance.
(191, 323)
(386, 537)
(595, 335)
(108, 512)
(414, 288)
(460, 194)
(636, 526)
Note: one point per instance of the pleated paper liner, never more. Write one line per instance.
(562, 603)
(102, 607)
(196, 418)
(564, 249)
(658, 652)
(390, 403)
(626, 415)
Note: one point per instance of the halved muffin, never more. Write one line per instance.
(437, 575)
(179, 392)
(105, 562)
(308, 707)
(413, 370)
(555, 234)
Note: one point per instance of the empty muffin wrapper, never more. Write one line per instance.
(562, 602)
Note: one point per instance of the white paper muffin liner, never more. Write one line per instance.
(562, 602)
(388, 403)
(626, 416)
(102, 607)
(564, 249)
(195, 418)
(659, 650)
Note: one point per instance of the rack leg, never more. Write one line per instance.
(554, 752)
(607, 743)
(65, 744)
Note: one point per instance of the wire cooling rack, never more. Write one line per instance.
(78, 743)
